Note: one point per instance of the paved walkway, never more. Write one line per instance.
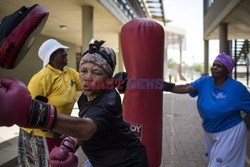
(182, 136)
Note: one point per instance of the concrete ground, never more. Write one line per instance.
(182, 136)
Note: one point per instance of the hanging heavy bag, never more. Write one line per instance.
(142, 43)
(18, 32)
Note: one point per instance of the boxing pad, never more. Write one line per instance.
(142, 43)
(18, 32)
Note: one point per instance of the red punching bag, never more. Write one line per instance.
(18, 32)
(142, 43)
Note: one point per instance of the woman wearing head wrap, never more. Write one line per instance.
(220, 102)
(102, 133)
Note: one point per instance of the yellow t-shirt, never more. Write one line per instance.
(59, 87)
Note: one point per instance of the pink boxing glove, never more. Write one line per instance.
(64, 156)
(18, 108)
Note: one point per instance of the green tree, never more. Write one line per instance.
(172, 64)
(198, 67)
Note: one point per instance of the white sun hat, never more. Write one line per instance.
(47, 48)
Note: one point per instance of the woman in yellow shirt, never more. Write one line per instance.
(59, 84)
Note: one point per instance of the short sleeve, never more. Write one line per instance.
(101, 116)
(197, 85)
(245, 100)
(77, 80)
(106, 112)
(39, 85)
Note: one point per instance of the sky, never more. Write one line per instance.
(188, 15)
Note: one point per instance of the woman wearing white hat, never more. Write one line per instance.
(59, 84)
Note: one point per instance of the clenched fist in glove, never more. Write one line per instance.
(167, 86)
(64, 156)
(120, 81)
(17, 107)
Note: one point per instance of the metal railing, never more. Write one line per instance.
(239, 50)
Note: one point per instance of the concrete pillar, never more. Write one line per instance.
(206, 57)
(166, 74)
(180, 65)
(165, 65)
(180, 49)
(224, 46)
(180, 53)
(87, 26)
(120, 65)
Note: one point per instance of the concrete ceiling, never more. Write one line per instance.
(68, 13)
(238, 23)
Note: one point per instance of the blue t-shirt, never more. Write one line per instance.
(219, 107)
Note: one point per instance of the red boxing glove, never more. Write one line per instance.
(64, 156)
(17, 107)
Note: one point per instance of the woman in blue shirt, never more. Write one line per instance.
(220, 102)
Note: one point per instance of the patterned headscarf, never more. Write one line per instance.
(226, 60)
(102, 56)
